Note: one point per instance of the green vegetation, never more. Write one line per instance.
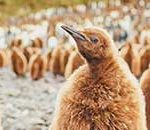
(24, 7)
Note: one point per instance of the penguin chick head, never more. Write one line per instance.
(93, 44)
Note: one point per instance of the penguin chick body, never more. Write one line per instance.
(19, 62)
(101, 95)
(126, 54)
(37, 66)
(49, 56)
(37, 43)
(130, 54)
(16, 43)
(145, 58)
(74, 62)
(3, 58)
(63, 60)
(145, 85)
(55, 60)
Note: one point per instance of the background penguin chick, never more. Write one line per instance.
(145, 58)
(135, 63)
(136, 39)
(147, 41)
(37, 66)
(8, 53)
(126, 53)
(49, 56)
(130, 54)
(74, 62)
(55, 60)
(101, 95)
(145, 85)
(3, 58)
(37, 43)
(16, 43)
(19, 61)
(63, 60)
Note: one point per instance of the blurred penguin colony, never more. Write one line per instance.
(36, 44)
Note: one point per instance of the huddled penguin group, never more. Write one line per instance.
(105, 88)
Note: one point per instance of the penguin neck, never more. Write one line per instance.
(101, 67)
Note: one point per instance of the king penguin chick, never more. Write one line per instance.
(37, 43)
(3, 58)
(37, 66)
(63, 60)
(55, 60)
(103, 94)
(145, 58)
(130, 54)
(19, 62)
(126, 53)
(49, 55)
(74, 62)
(16, 43)
(145, 85)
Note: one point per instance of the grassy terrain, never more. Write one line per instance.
(10, 8)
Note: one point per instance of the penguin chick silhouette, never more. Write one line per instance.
(126, 53)
(74, 62)
(130, 54)
(16, 43)
(3, 58)
(103, 94)
(37, 43)
(37, 66)
(19, 62)
(145, 58)
(145, 85)
(49, 55)
(63, 60)
(55, 60)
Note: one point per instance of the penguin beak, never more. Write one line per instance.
(74, 33)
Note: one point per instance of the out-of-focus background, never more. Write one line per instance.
(37, 56)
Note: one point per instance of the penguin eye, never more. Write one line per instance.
(94, 40)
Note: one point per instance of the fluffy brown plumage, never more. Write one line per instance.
(55, 60)
(147, 41)
(74, 62)
(3, 58)
(145, 84)
(136, 61)
(145, 58)
(37, 43)
(49, 56)
(16, 43)
(101, 95)
(126, 53)
(37, 66)
(19, 62)
(29, 51)
(130, 53)
(63, 60)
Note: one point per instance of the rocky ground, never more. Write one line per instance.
(27, 104)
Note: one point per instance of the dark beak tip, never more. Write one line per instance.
(62, 26)
(65, 27)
